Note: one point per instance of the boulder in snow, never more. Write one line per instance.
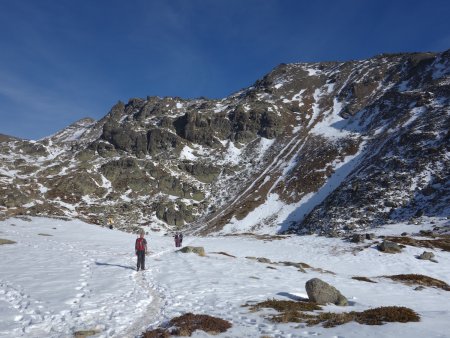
(199, 250)
(321, 292)
(389, 247)
(427, 255)
(358, 238)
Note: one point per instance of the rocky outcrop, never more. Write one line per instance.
(345, 146)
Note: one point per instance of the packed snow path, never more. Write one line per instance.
(63, 277)
(82, 277)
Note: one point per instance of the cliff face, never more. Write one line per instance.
(315, 147)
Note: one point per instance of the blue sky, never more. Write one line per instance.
(64, 60)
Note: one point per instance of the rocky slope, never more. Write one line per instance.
(318, 147)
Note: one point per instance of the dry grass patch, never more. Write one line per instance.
(443, 242)
(261, 237)
(376, 316)
(224, 253)
(188, 323)
(157, 333)
(414, 279)
(302, 312)
(85, 333)
(6, 241)
(363, 279)
(284, 305)
(300, 266)
(289, 311)
(384, 314)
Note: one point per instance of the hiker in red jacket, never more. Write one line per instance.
(141, 250)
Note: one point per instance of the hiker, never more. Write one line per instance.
(180, 238)
(177, 239)
(141, 250)
(110, 223)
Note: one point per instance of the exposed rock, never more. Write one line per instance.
(321, 292)
(427, 255)
(370, 236)
(199, 250)
(200, 163)
(389, 247)
(358, 238)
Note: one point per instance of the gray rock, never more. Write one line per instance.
(389, 247)
(199, 250)
(321, 292)
(358, 238)
(264, 260)
(427, 255)
(370, 236)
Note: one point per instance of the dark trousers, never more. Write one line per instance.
(141, 259)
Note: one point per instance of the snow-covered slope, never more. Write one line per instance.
(309, 148)
(66, 276)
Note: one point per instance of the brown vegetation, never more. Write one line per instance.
(376, 316)
(224, 253)
(85, 333)
(157, 333)
(263, 237)
(6, 241)
(186, 324)
(363, 279)
(284, 305)
(414, 279)
(300, 266)
(443, 242)
(296, 312)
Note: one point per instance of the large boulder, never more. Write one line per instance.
(199, 250)
(321, 292)
(389, 247)
(427, 255)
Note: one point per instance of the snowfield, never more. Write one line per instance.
(64, 276)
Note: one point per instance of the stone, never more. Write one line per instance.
(389, 247)
(321, 292)
(358, 238)
(427, 255)
(199, 250)
(370, 236)
(264, 260)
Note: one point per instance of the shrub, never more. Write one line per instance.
(186, 324)
(363, 279)
(290, 311)
(411, 279)
(6, 241)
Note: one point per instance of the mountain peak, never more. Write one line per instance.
(326, 147)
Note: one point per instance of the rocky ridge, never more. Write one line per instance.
(309, 148)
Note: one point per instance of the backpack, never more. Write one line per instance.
(140, 244)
